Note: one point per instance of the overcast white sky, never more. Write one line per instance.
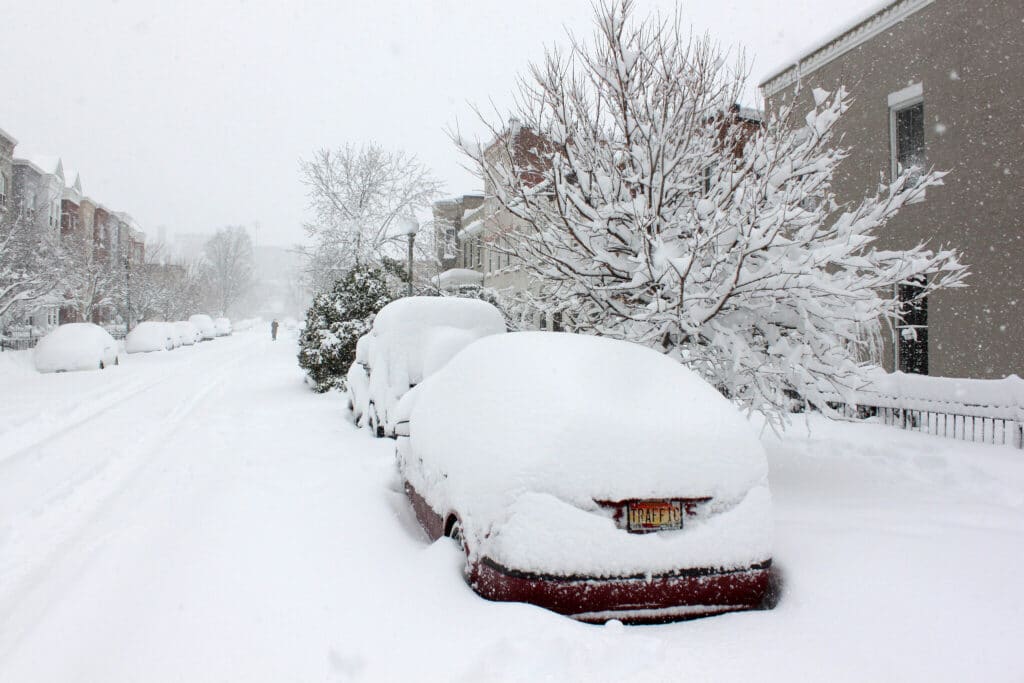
(194, 114)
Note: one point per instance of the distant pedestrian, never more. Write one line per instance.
(273, 330)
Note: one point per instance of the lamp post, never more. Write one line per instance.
(409, 226)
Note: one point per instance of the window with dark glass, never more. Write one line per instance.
(910, 140)
(912, 330)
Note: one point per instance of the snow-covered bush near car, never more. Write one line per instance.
(75, 346)
(334, 323)
(149, 336)
(412, 338)
(204, 324)
(523, 434)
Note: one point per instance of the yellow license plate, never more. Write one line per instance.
(655, 515)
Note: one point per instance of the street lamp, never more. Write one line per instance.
(409, 226)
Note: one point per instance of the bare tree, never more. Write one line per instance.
(654, 211)
(357, 195)
(229, 266)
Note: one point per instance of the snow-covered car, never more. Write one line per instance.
(411, 338)
(188, 332)
(76, 346)
(593, 477)
(204, 324)
(222, 326)
(175, 335)
(149, 336)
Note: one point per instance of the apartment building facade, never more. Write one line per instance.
(936, 84)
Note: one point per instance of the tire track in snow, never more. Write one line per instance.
(26, 600)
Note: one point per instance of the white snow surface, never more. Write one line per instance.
(608, 421)
(75, 346)
(149, 336)
(204, 516)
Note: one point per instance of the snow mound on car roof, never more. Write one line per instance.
(415, 336)
(72, 346)
(581, 418)
(148, 336)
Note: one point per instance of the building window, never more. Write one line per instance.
(906, 130)
(3, 190)
(450, 242)
(912, 330)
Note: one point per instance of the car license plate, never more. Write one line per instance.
(655, 515)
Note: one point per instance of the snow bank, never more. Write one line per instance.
(567, 420)
(149, 336)
(222, 326)
(75, 346)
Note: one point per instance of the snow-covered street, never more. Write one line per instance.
(202, 515)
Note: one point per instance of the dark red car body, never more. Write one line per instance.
(642, 599)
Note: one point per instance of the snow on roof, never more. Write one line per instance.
(872, 20)
(8, 136)
(458, 277)
(48, 164)
(472, 229)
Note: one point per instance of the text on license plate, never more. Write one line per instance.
(655, 515)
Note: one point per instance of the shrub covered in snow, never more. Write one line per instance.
(335, 322)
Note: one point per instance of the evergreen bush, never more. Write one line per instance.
(336, 320)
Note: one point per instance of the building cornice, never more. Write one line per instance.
(839, 45)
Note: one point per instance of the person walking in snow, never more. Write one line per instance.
(273, 330)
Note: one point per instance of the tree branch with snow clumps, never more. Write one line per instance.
(660, 213)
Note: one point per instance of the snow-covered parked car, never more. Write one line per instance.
(593, 477)
(204, 324)
(76, 346)
(188, 332)
(411, 338)
(222, 326)
(149, 336)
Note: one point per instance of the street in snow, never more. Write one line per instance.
(201, 515)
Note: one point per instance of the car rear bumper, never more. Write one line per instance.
(684, 594)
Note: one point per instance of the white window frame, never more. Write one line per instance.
(898, 101)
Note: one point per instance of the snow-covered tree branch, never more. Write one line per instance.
(659, 212)
(29, 262)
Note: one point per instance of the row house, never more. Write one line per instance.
(50, 197)
(475, 235)
(936, 84)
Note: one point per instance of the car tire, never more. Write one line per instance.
(454, 532)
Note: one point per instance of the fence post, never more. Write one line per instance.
(1018, 434)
